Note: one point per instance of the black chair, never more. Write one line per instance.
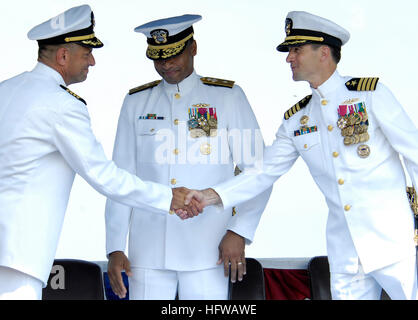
(319, 279)
(74, 280)
(319, 282)
(252, 285)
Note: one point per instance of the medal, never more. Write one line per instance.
(202, 121)
(348, 141)
(347, 131)
(197, 133)
(213, 123)
(192, 123)
(364, 137)
(356, 138)
(342, 123)
(359, 129)
(363, 151)
(353, 122)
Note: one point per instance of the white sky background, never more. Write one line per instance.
(236, 40)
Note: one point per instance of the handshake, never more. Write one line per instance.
(187, 203)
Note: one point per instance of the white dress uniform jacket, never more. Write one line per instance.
(45, 137)
(369, 214)
(162, 150)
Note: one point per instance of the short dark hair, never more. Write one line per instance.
(335, 52)
(42, 51)
(189, 42)
(45, 50)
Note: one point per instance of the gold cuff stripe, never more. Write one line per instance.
(171, 45)
(320, 39)
(80, 38)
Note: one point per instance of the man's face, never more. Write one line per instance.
(80, 59)
(304, 62)
(176, 69)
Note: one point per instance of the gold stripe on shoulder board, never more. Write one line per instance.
(297, 107)
(73, 94)
(217, 82)
(144, 87)
(362, 84)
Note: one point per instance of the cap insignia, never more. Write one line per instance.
(289, 24)
(160, 36)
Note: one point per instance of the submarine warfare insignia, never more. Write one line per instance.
(353, 122)
(203, 121)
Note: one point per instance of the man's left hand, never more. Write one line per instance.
(232, 254)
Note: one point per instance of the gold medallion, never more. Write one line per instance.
(364, 137)
(365, 117)
(363, 151)
(342, 123)
(351, 120)
(205, 149)
(347, 131)
(213, 132)
(197, 133)
(348, 141)
(213, 123)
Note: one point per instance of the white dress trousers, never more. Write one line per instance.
(16, 285)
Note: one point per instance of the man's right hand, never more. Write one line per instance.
(118, 262)
(205, 197)
(192, 209)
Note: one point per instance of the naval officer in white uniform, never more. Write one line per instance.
(350, 132)
(183, 130)
(45, 138)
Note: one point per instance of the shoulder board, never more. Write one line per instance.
(73, 94)
(145, 87)
(217, 82)
(297, 107)
(362, 84)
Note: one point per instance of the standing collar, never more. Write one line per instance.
(49, 72)
(328, 86)
(182, 87)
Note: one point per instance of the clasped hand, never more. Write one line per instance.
(184, 211)
(187, 203)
